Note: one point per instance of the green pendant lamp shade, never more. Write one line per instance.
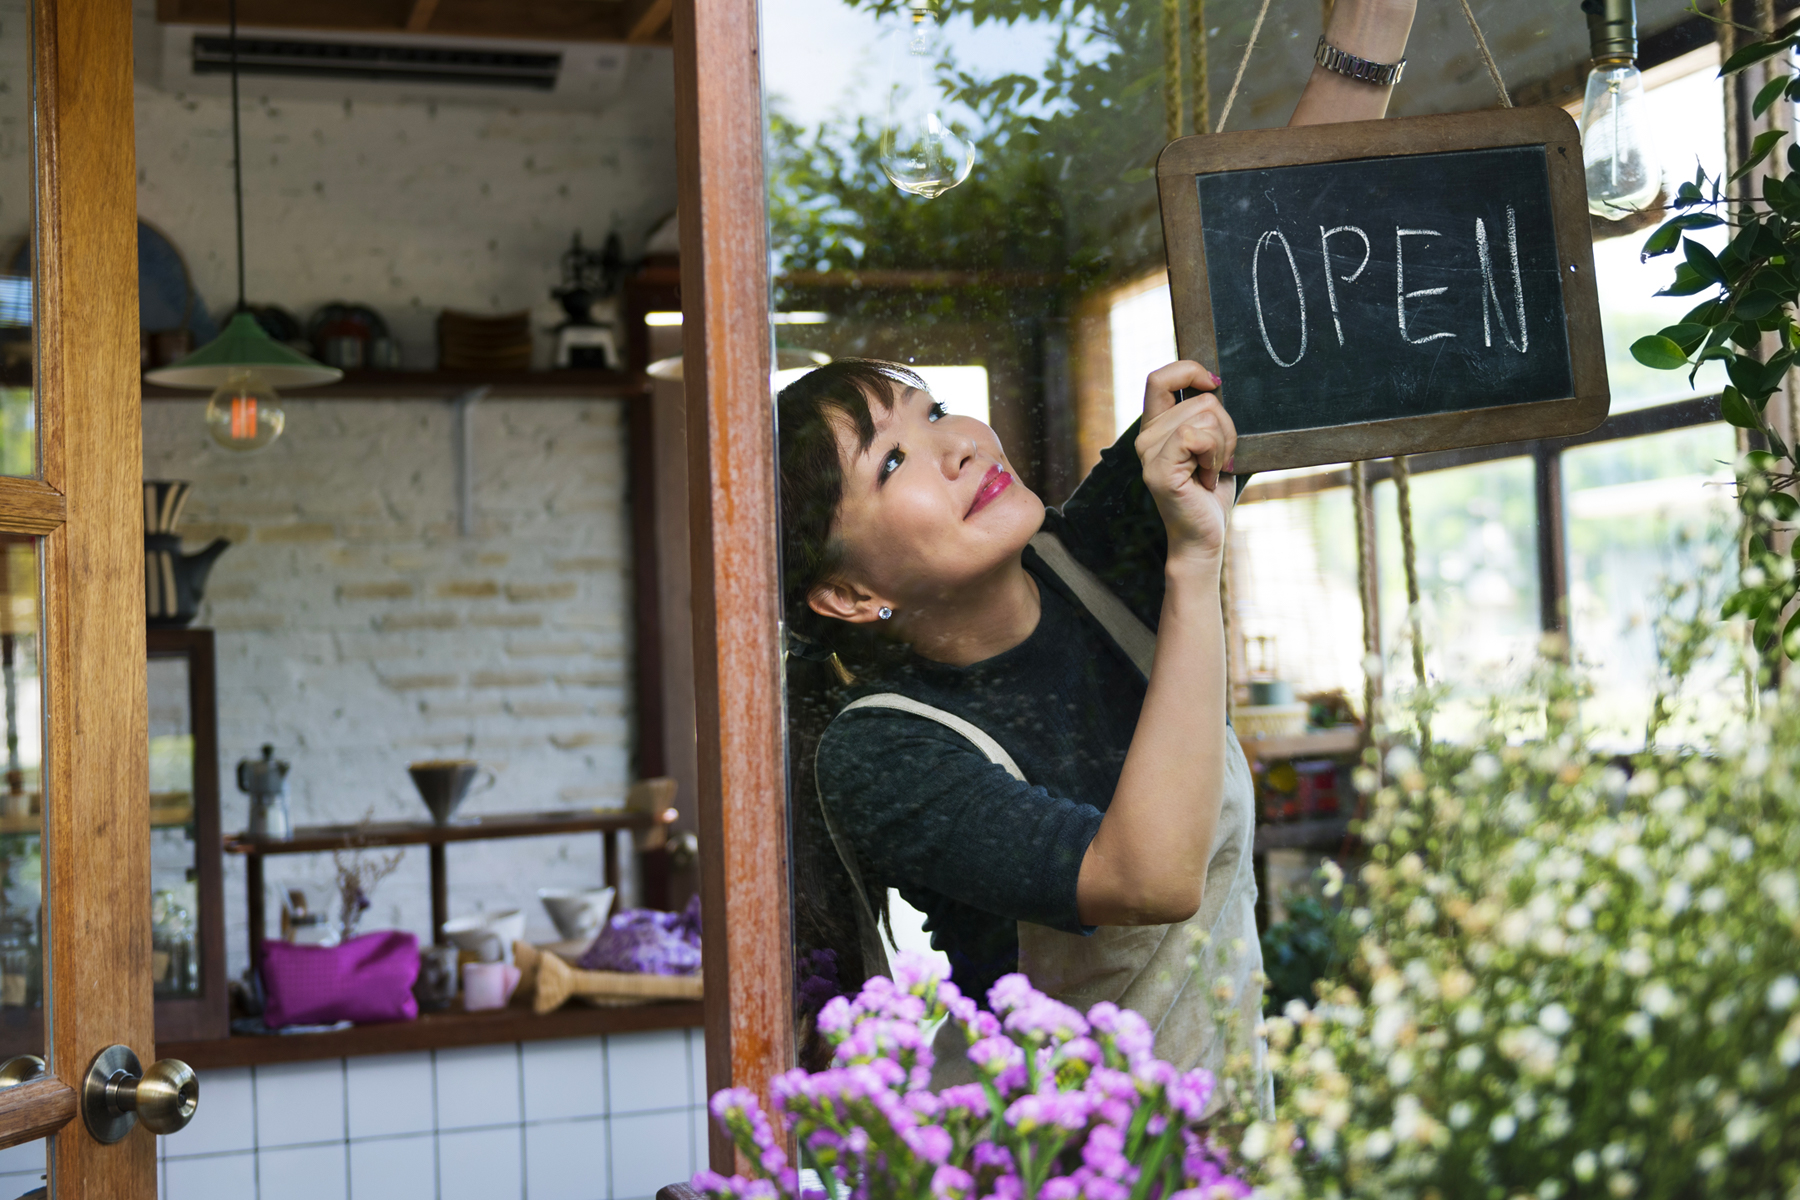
(244, 347)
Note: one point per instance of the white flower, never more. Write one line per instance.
(1389, 1021)
(1657, 998)
(1637, 1026)
(1752, 577)
(1712, 899)
(1642, 1102)
(1502, 1127)
(1377, 1144)
(1782, 993)
(1676, 897)
(1334, 877)
(1584, 1165)
(1670, 801)
(1621, 1184)
(1554, 1020)
(1635, 961)
(1400, 760)
(1741, 848)
(1461, 1113)
(1784, 889)
(1630, 858)
(1486, 768)
(1742, 1127)
(1579, 916)
(1255, 1142)
(1469, 1059)
(1514, 928)
(1400, 1073)
(1468, 1020)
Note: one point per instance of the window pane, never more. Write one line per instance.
(1688, 113)
(21, 802)
(18, 401)
(1476, 532)
(1641, 512)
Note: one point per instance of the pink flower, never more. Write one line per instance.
(951, 1183)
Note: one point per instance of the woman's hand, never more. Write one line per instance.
(1186, 446)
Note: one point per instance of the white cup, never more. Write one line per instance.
(577, 915)
(488, 936)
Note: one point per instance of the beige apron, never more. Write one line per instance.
(1167, 973)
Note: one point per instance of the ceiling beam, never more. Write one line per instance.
(652, 20)
(419, 20)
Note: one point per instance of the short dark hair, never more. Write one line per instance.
(809, 413)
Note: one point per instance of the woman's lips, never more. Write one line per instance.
(992, 484)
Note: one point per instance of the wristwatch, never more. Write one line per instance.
(1380, 74)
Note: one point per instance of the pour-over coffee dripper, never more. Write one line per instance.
(445, 783)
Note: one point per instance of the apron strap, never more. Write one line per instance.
(1121, 624)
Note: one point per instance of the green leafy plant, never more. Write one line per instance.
(1747, 322)
(1301, 950)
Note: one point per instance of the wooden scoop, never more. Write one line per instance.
(551, 982)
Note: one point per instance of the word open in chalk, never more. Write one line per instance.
(1384, 288)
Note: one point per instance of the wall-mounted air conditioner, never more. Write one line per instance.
(300, 64)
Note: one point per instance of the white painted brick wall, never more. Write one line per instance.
(357, 630)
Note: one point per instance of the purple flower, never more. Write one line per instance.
(951, 1183)
(1034, 1110)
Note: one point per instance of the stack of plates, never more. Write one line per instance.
(467, 342)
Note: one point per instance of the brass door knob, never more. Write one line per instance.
(118, 1092)
(20, 1068)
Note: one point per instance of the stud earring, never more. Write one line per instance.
(884, 612)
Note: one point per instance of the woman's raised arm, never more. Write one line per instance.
(1375, 30)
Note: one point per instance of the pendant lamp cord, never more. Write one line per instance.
(237, 155)
(1243, 64)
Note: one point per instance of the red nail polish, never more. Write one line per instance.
(1230, 467)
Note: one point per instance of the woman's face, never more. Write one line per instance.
(931, 507)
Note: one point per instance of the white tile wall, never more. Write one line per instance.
(610, 1118)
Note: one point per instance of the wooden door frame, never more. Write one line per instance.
(726, 351)
(88, 509)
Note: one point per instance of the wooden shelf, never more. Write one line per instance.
(1325, 743)
(434, 1031)
(315, 839)
(1322, 834)
(443, 385)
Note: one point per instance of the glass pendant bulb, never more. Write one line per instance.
(1622, 174)
(920, 154)
(244, 414)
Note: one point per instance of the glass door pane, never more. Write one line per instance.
(21, 801)
(18, 394)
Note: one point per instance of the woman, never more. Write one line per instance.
(1027, 730)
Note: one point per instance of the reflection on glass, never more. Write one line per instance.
(174, 862)
(18, 404)
(21, 806)
(1641, 513)
(920, 153)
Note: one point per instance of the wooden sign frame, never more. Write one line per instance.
(1552, 128)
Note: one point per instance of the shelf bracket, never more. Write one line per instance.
(464, 405)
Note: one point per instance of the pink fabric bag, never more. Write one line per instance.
(367, 980)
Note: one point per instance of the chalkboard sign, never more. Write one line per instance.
(1388, 287)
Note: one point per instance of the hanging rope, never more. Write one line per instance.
(1410, 556)
(1171, 31)
(1243, 63)
(1199, 97)
(1487, 57)
(1365, 587)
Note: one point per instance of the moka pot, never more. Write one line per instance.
(265, 780)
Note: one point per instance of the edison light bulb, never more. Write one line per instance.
(245, 413)
(920, 153)
(1622, 177)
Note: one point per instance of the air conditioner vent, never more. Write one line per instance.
(394, 63)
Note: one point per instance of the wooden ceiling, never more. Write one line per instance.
(644, 22)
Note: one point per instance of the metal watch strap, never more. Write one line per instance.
(1380, 74)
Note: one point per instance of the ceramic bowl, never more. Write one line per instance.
(488, 936)
(577, 915)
